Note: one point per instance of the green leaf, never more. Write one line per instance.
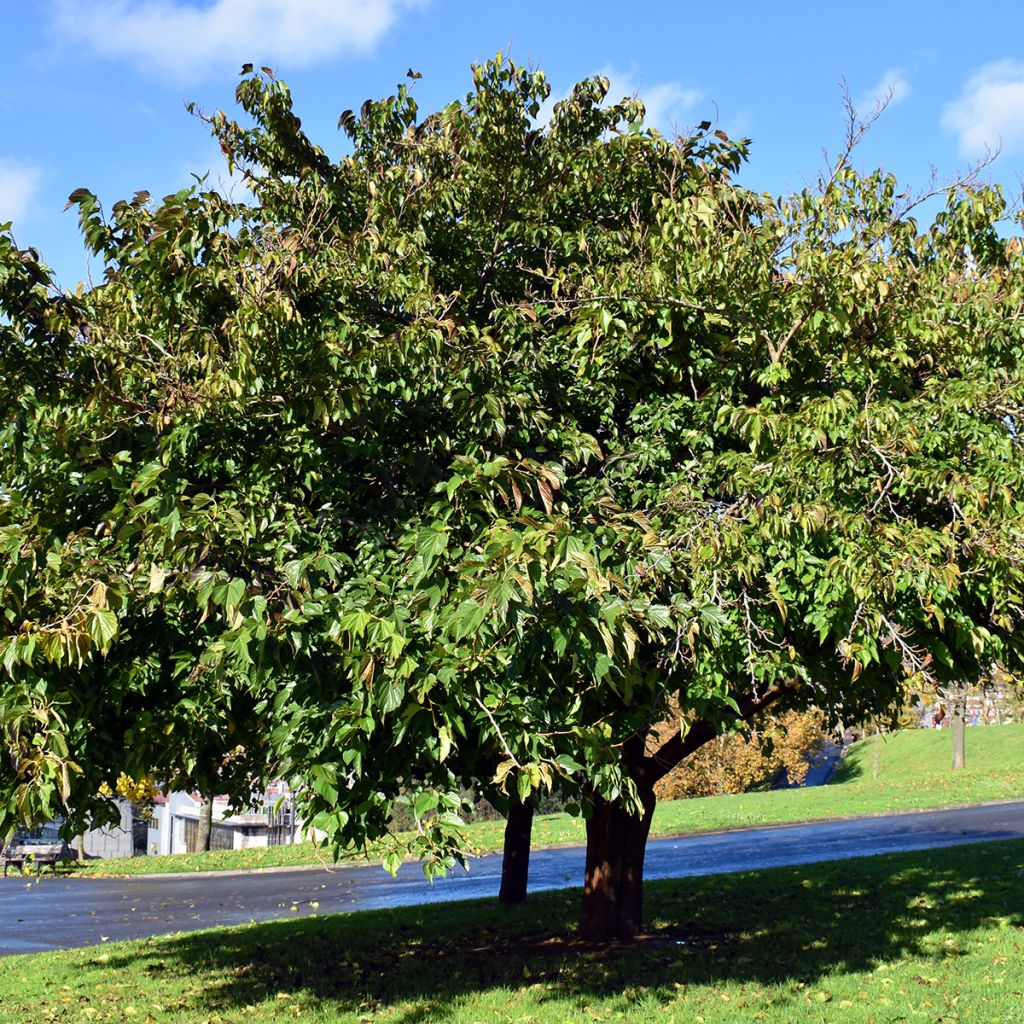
(523, 786)
(424, 803)
(10, 655)
(388, 692)
(468, 618)
(234, 594)
(102, 626)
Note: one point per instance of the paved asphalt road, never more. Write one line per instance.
(61, 913)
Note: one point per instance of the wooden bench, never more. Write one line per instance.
(36, 853)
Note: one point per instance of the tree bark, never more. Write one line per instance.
(515, 864)
(957, 728)
(613, 898)
(204, 831)
(612, 908)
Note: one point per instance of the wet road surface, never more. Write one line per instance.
(61, 913)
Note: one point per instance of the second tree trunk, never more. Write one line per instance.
(515, 864)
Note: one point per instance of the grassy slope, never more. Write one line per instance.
(904, 771)
(935, 936)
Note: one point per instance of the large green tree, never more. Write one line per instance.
(472, 451)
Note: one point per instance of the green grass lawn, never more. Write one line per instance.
(904, 771)
(930, 937)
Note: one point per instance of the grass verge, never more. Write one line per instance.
(900, 772)
(933, 937)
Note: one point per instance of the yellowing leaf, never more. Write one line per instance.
(157, 576)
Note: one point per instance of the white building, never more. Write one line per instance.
(175, 822)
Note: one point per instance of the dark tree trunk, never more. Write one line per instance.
(613, 899)
(515, 864)
(205, 828)
(957, 728)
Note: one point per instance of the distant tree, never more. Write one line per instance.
(478, 449)
(204, 825)
(996, 689)
(957, 726)
(737, 762)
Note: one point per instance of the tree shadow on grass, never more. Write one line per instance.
(772, 928)
(849, 769)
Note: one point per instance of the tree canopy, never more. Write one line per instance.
(474, 449)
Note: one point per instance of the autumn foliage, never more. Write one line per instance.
(737, 762)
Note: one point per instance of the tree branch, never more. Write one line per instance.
(682, 744)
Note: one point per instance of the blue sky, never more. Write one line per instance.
(94, 90)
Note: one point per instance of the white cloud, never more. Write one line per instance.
(184, 39)
(218, 178)
(18, 185)
(891, 88)
(666, 104)
(990, 110)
